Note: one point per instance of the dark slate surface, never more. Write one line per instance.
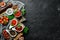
(43, 19)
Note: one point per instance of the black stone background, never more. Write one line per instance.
(43, 19)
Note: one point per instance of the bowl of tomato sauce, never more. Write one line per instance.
(19, 27)
(18, 14)
(14, 22)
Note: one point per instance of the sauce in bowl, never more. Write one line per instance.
(13, 33)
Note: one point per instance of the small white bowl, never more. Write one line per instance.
(9, 11)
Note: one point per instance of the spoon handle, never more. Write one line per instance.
(7, 31)
(13, 29)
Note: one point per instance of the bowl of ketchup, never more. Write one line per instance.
(14, 22)
(17, 14)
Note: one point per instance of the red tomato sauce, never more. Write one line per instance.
(18, 14)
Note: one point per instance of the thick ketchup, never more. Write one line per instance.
(14, 22)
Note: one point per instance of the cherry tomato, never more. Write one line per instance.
(6, 19)
(1, 21)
